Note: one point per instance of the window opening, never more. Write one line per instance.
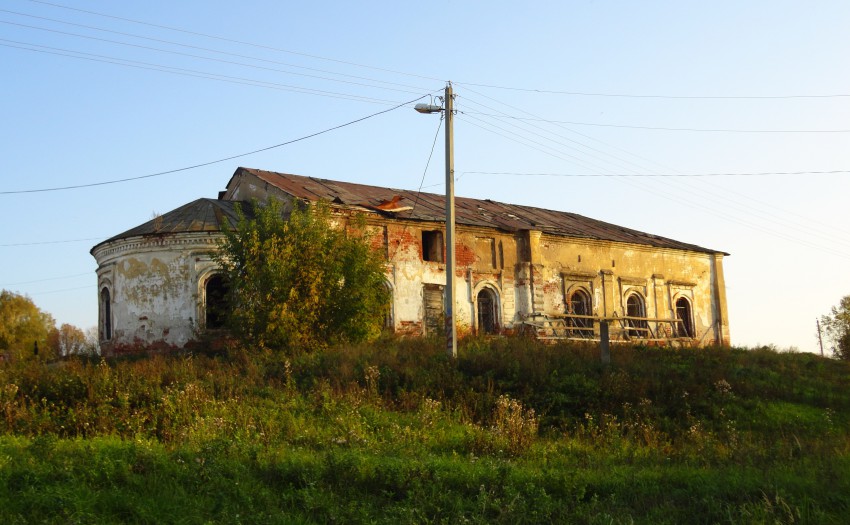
(389, 323)
(579, 304)
(435, 312)
(215, 290)
(106, 308)
(683, 313)
(636, 308)
(487, 307)
(432, 246)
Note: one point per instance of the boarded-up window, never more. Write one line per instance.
(435, 313)
(432, 246)
(485, 249)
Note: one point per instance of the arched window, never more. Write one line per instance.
(579, 304)
(685, 328)
(106, 312)
(487, 306)
(636, 310)
(215, 291)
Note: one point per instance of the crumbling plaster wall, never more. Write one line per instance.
(610, 271)
(155, 286)
(484, 258)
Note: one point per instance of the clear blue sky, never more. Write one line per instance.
(261, 73)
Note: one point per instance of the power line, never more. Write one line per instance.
(234, 41)
(48, 279)
(723, 196)
(671, 97)
(139, 46)
(45, 242)
(656, 175)
(713, 211)
(191, 73)
(661, 128)
(213, 161)
(492, 86)
(64, 290)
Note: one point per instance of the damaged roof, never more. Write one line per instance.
(202, 215)
(421, 206)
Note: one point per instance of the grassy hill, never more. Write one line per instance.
(394, 432)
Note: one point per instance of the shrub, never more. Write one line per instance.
(302, 283)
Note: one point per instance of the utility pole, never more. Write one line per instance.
(448, 111)
(820, 339)
(451, 325)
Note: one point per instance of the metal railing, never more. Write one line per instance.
(554, 327)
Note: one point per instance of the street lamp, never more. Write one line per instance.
(448, 111)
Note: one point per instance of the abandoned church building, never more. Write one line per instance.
(520, 269)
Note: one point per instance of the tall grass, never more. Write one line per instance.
(395, 432)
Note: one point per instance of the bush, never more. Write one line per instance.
(302, 283)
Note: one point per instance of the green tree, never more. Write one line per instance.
(23, 326)
(836, 328)
(304, 282)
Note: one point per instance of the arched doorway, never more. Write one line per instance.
(685, 327)
(487, 306)
(215, 291)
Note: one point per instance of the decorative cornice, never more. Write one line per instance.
(185, 239)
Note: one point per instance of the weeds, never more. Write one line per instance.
(511, 432)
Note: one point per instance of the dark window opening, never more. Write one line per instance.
(579, 305)
(389, 323)
(216, 289)
(685, 327)
(432, 246)
(487, 306)
(635, 308)
(106, 309)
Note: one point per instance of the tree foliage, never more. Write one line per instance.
(68, 340)
(836, 328)
(23, 326)
(304, 282)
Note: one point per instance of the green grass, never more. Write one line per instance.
(512, 432)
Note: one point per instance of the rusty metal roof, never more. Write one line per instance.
(471, 212)
(202, 215)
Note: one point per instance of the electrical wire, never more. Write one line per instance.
(65, 290)
(234, 41)
(724, 197)
(653, 96)
(659, 128)
(50, 279)
(103, 183)
(427, 164)
(193, 73)
(39, 243)
(655, 175)
(492, 86)
(699, 205)
(160, 50)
